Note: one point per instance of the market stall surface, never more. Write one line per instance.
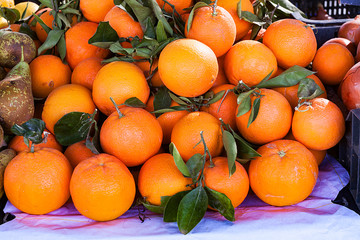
(315, 218)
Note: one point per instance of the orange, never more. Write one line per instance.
(186, 134)
(151, 71)
(121, 81)
(77, 152)
(15, 27)
(226, 107)
(48, 20)
(217, 178)
(273, 121)
(38, 183)
(17, 143)
(291, 92)
(102, 188)
(318, 126)
(242, 26)
(249, 61)
(179, 5)
(85, 72)
(94, 10)
(77, 46)
(133, 138)
(124, 25)
(292, 42)
(331, 62)
(190, 58)
(213, 27)
(221, 77)
(65, 99)
(285, 174)
(159, 177)
(47, 73)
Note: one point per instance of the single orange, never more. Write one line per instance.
(78, 152)
(94, 10)
(85, 72)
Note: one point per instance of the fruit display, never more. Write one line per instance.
(182, 107)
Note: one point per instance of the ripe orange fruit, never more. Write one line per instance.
(249, 61)
(179, 5)
(121, 81)
(38, 183)
(217, 178)
(77, 46)
(186, 134)
(65, 99)
(285, 174)
(85, 72)
(292, 42)
(123, 24)
(47, 73)
(95, 11)
(159, 177)
(133, 138)
(215, 28)
(318, 126)
(273, 121)
(226, 107)
(17, 143)
(242, 26)
(221, 77)
(179, 59)
(331, 62)
(48, 20)
(291, 92)
(78, 152)
(149, 69)
(102, 187)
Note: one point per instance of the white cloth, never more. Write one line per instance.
(315, 218)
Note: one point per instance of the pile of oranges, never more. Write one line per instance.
(291, 134)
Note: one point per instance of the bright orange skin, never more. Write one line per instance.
(47, 73)
(159, 176)
(292, 42)
(225, 107)
(48, 20)
(186, 134)
(78, 152)
(283, 180)
(85, 72)
(17, 143)
(331, 62)
(221, 77)
(102, 188)
(242, 26)
(65, 99)
(133, 138)
(121, 81)
(217, 178)
(190, 58)
(216, 31)
(77, 46)
(249, 61)
(38, 183)
(291, 92)
(321, 126)
(123, 24)
(94, 10)
(149, 69)
(179, 5)
(273, 121)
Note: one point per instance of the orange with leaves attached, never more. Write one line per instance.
(48, 20)
(179, 5)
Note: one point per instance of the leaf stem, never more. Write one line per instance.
(116, 107)
(206, 150)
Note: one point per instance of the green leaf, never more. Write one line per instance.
(178, 160)
(287, 7)
(10, 14)
(62, 18)
(170, 109)
(73, 127)
(31, 130)
(288, 78)
(252, 18)
(217, 97)
(162, 100)
(266, 78)
(61, 46)
(254, 111)
(222, 203)
(172, 205)
(177, 99)
(254, 31)
(194, 165)
(134, 102)
(47, 3)
(104, 36)
(191, 15)
(118, 2)
(150, 29)
(245, 151)
(192, 209)
(244, 102)
(308, 89)
(52, 39)
(238, 9)
(158, 209)
(141, 12)
(160, 16)
(42, 24)
(231, 151)
(25, 28)
(160, 32)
